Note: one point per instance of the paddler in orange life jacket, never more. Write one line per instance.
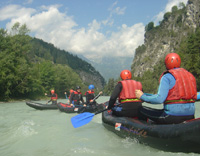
(90, 95)
(77, 97)
(53, 96)
(125, 92)
(177, 90)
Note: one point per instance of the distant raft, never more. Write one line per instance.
(40, 106)
(64, 107)
(183, 137)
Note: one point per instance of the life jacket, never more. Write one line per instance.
(90, 95)
(184, 90)
(76, 96)
(127, 93)
(89, 92)
(54, 97)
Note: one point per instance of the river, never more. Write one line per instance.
(25, 131)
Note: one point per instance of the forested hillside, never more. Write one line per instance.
(31, 67)
(85, 70)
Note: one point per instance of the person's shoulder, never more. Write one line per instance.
(168, 76)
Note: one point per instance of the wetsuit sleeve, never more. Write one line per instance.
(50, 99)
(114, 95)
(166, 83)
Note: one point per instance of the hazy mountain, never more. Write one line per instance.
(110, 67)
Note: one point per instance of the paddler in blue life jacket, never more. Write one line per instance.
(90, 95)
(177, 90)
(76, 97)
(53, 96)
(125, 92)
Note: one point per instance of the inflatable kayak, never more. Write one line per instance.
(183, 137)
(78, 108)
(40, 106)
(65, 107)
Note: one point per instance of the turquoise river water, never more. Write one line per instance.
(25, 131)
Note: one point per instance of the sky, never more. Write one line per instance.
(92, 28)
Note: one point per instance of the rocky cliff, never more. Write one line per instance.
(166, 37)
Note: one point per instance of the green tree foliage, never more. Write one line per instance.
(189, 51)
(174, 9)
(149, 26)
(150, 79)
(47, 51)
(181, 5)
(29, 70)
(108, 89)
(14, 63)
(166, 16)
(65, 79)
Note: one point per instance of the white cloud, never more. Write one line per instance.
(120, 11)
(61, 30)
(14, 11)
(170, 4)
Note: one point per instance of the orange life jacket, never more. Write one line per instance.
(54, 98)
(76, 96)
(128, 91)
(184, 90)
(89, 92)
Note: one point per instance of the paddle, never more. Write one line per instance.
(83, 118)
(66, 95)
(97, 96)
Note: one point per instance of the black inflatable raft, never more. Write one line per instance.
(40, 106)
(183, 137)
(78, 108)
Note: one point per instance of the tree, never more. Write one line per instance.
(109, 87)
(19, 30)
(149, 27)
(166, 16)
(174, 9)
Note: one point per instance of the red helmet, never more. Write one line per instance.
(172, 60)
(52, 91)
(125, 74)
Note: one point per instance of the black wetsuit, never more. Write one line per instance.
(76, 97)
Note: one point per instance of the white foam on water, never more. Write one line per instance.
(26, 129)
(82, 150)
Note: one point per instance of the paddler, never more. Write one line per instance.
(53, 96)
(177, 90)
(125, 91)
(76, 97)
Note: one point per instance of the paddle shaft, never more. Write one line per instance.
(96, 97)
(84, 118)
(105, 109)
(100, 111)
